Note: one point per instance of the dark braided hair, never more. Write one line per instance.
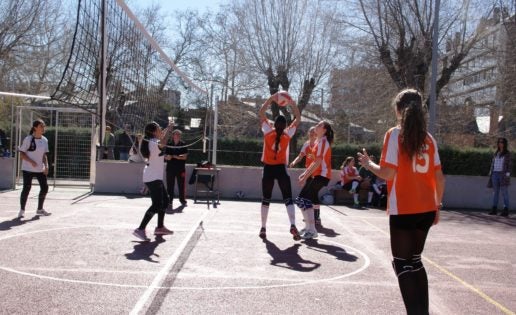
(150, 128)
(329, 132)
(409, 104)
(279, 125)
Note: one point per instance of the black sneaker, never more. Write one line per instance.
(493, 212)
(505, 212)
(262, 234)
(295, 233)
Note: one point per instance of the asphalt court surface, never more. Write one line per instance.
(83, 260)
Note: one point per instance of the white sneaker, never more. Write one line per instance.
(309, 235)
(42, 212)
(21, 214)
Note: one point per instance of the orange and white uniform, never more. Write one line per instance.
(269, 155)
(410, 191)
(307, 151)
(322, 149)
(347, 173)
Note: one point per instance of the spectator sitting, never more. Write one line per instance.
(350, 179)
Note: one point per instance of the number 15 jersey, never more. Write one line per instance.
(413, 188)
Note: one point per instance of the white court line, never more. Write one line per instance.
(156, 287)
(166, 268)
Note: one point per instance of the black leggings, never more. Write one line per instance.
(172, 176)
(271, 173)
(159, 198)
(27, 185)
(408, 237)
(309, 194)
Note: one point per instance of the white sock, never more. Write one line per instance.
(378, 191)
(369, 197)
(305, 218)
(291, 211)
(354, 185)
(265, 213)
(311, 220)
(355, 197)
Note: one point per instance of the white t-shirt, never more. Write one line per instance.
(36, 155)
(156, 164)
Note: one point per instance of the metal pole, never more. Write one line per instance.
(55, 148)
(215, 123)
(102, 81)
(433, 80)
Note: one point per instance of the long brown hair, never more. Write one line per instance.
(150, 128)
(279, 125)
(409, 104)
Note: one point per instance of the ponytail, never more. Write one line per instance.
(329, 134)
(279, 125)
(149, 134)
(35, 124)
(409, 104)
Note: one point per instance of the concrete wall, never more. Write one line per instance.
(467, 192)
(6, 173)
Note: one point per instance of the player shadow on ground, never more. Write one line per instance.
(481, 217)
(327, 231)
(339, 252)
(7, 225)
(289, 257)
(145, 250)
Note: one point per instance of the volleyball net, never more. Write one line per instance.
(117, 71)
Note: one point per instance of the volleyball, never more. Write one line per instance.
(283, 98)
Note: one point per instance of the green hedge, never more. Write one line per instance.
(455, 161)
(247, 152)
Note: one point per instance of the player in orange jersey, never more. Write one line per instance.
(276, 139)
(306, 152)
(315, 177)
(410, 163)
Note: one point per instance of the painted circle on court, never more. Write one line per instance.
(362, 267)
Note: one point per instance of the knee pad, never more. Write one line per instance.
(417, 264)
(303, 203)
(288, 201)
(401, 266)
(266, 202)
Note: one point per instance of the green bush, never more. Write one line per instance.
(248, 152)
(455, 161)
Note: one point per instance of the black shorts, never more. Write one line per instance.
(418, 221)
(278, 172)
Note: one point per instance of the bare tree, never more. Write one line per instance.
(33, 37)
(402, 32)
(292, 43)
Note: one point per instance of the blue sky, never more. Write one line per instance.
(170, 6)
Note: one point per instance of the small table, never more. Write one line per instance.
(207, 183)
